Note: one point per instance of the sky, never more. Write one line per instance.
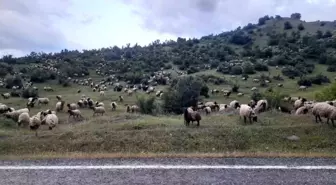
(53, 25)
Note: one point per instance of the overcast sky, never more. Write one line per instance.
(52, 25)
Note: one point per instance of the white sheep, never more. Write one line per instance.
(322, 109)
(51, 120)
(60, 106)
(75, 113)
(72, 106)
(99, 104)
(261, 106)
(4, 108)
(129, 92)
(240, 94)
(212, 105)
(44, 101)
(302, 87)
(23, 119)
(114, 105)
(235, 104)
(133, 108)
(59, 97)
(299, 103)
(5, 95)
(254, 89)
(302, 110)
(98, 110)
(247, 112)
(101, 93)
(207, 110)
(34, 123)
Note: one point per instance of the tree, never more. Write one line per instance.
(327, 34)
(301, 27)
(185, 92)
(319, 34)
(287, 25)
(296, 16)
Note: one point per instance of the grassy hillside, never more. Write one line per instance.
(284, 51)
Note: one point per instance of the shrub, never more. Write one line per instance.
(331, 68)
(235, 88)
(287, 25)
(301, 27)
(236, 70)
(260, 67)
(29, 92)
(304, 81)
(184, 93)
(273, 98)
(13, 81)
(147, 105)
(256, 96)
(327, 93)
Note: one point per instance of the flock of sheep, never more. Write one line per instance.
(252, 109)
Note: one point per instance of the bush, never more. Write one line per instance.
(147, 105)
(304, 81)
(29, 92)
(235, 88)
(40, 76)
(273, 98)
(256, 96)
(184, 93)
(327, 93)
(260, 67)
(13, 81)
(301, 27)
(287, 25)
(331, 68)
(236, 70)
(248, 68)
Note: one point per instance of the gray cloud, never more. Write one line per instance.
(200, 17)
(32, 25)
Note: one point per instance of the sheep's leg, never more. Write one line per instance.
(244, 119)
(198, 123)
(250, 120)
(328, 121)
(320, 118)
(316, 119)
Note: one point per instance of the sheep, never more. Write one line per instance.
(212, 105)
(322, 109)
(284, 109)
(302, 110)
(101, 93)
(59, 97)
(299, 103)
(256, 80)
(98, 110)
(80, 103)
(72, 106)
(262, 105)
(75, 113)
(31, 101)
(4, 108)
(44, 101)
(280, 85)
(129, 92)
(191, 115)
(23, 118)
(133, 108)
(114, 105)
(302, 87)
(99, 104)
(254, 88)
(235, 104)
(207, 110)
(121, 98)
(51, 120)
(247, 112)
(34, 123)
(240, 94)
(5, 95)
(60, 106)
(90, 102)
(79, 91)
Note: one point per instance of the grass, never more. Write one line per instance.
(120, 134)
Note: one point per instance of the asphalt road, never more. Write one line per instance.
(240, 171)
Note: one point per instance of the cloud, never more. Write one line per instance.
(201, 17)
(32, 25)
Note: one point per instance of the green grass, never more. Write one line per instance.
(119, 132)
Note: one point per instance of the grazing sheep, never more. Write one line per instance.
(135, 108)
(23, 119)
(121, 98)
(60, 106)
(72, 106)
(262, 106)
(299, 103)
(254, 89)
(302, 87)
(31, 101)
(280, 85)
(80, 103)
(101, 93)
(51, 120)
(99, 104)
(59, 97)
(75, 113)
(98, 110)
(235, 104)
(114, 105)
(322, 109)
(44, 101)
(240, 94)
(212, 105)
(191, 115)
(129, 92)
(247, 112)
(302, 110)
(285, 109)
(90, 102)
(4, 108)
(34, 123)
(207, 110)
(79, 91)
(5, 95)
